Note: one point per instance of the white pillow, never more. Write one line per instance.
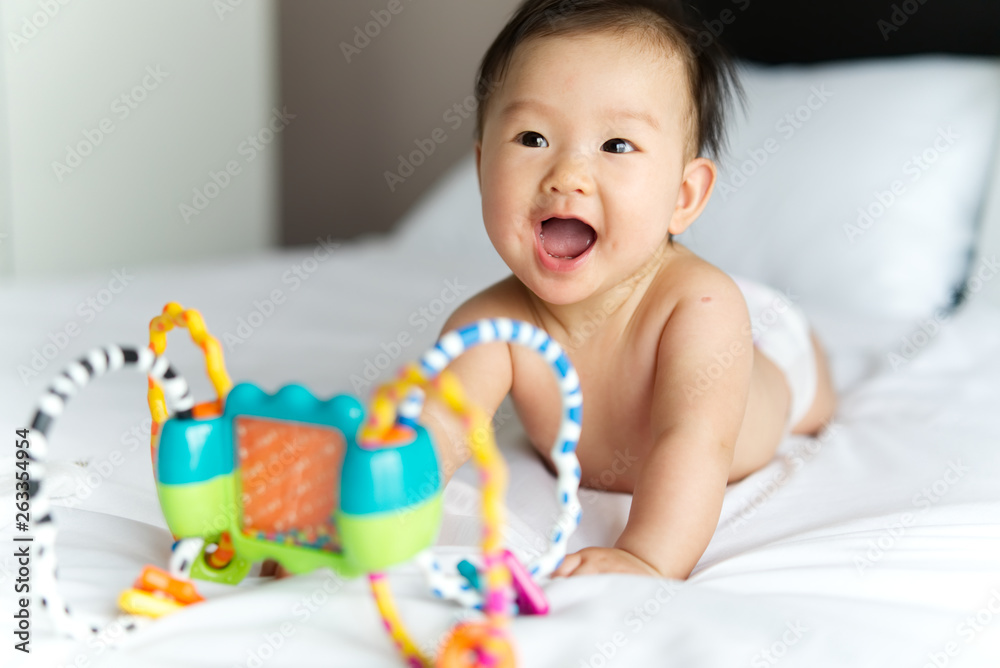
(856, 186)
(984, 278)
(448, 218)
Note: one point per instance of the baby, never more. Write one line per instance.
(593, 119)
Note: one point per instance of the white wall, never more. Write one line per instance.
(362, 111)
(67, 64)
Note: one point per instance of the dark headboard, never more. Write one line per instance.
(800, 31)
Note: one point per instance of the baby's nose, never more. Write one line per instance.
(570, 174)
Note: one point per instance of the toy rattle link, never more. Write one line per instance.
(493, 475)
(315, 483)
(563, 452)
(50, 406)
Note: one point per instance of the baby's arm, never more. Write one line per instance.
(678, 494)
(485, 373)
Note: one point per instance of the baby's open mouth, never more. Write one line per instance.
(566, 238)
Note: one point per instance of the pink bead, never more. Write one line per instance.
(495, 602)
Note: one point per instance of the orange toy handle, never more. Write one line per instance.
(174, 315)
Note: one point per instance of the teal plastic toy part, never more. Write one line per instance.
(194, 451)
(389, 478)
(295, 403)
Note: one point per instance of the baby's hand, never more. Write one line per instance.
(271, 568)
(593, 560)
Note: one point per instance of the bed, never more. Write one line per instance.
(876, 543)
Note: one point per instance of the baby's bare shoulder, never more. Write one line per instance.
(504, 299)
(695, 287)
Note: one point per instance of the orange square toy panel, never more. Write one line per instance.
(290, 481)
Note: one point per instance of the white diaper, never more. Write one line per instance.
(781, 332)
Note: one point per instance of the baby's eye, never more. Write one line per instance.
(533, 140)
(618, 146)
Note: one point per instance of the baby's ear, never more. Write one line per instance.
(699, 179)
(479, 158)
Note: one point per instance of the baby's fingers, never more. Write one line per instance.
(596, 560)
(568, 566)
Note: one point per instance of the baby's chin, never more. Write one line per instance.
(552, 288)
(561, 291)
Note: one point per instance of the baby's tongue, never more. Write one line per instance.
(563, 237)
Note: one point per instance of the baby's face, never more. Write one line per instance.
(588, 127)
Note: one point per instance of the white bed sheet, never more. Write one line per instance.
(782, 575)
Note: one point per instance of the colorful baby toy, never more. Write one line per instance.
(316, 483)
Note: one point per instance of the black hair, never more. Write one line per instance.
(711, 72)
